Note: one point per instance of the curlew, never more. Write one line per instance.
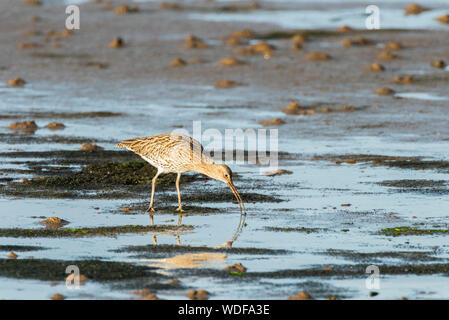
(177, 153)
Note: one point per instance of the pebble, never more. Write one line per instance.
(116, 43)
(198, 295)
(318, 56)
(273, 122)
(226, 84)
(91, 147)
(384, 91)
(54, 222)
(178, 63)
(55, 126)
(17, 82)
(238, 267)
(303, 295)
(229, 62)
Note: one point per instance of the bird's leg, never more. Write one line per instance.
(153, 187)
(179, 193)
(179, 199)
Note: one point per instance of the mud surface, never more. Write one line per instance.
(81, 232)
(54, 270)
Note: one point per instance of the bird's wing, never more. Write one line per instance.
(168, 149)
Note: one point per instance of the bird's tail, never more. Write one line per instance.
(129, 144)
(123, 144)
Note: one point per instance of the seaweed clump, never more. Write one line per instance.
(100, 175)
(84, 232)
(54, 270)
(409, 231)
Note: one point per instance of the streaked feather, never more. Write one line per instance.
(170, 152)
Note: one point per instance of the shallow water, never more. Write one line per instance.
(420, 96)
(391, 16)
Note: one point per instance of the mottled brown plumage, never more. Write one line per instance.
(169, 152)
(177, 153)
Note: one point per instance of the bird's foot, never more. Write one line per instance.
(180, 210)
(227, 244)
(151, 210)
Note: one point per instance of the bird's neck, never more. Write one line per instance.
(206, 169)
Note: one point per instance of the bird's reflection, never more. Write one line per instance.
(239, 229)
(189, 261)
(152, 219)
(234, 238)
(178, 239)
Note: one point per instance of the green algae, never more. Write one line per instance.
(402, 231)
(151, 250)
(55, 270)
(417, 164)
(20, 138)
(431, 78)
(73, 157)
(189, 209)
(413, 163)
(377, 256)
(107, 175)
(291, 229)
(288, 34)
(225, 195)
(19, 248)
(61, 115)
(331, 271)
(421, 186)
(55, 55)
(152, 283)
(107, 179)
(236, 273)
(413, 184)
(84, 232)
(100, 175)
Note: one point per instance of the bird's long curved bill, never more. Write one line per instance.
(242, 215)
(237, 196)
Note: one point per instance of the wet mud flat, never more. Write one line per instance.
(368, 171)
(120, 175)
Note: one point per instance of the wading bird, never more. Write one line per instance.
(177, 153)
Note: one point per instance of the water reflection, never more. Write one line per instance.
(190, 260)
(177, 237)
(226, 244)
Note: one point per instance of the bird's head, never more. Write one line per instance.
(223, 173)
